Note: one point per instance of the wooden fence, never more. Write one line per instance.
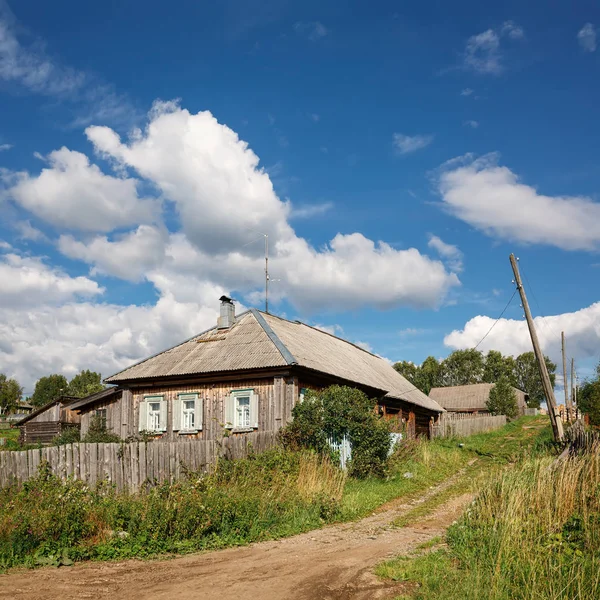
(129, 465)
(448, 426)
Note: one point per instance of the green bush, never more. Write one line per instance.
(69, 435)
(98, 433)
(503, 399)
(334, 413)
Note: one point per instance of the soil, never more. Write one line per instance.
(333, 563)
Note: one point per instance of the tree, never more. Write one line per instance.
(429, 374)
(408, 370)
(528, 377)
(10, 394)
(85, 383)
(588, 399)
(503, 399)
(48, 389)
(497, 366)
(462, 367)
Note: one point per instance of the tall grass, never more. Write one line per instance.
(48, 521)
(533, 532)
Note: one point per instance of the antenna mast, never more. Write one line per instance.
(266, 272)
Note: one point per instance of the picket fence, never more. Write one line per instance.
(130, 466)
(449, 426)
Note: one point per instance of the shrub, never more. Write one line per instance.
(334, 413)
(503, 399)
(69, 435)
(98, 433)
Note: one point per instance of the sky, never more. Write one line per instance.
(394, 153)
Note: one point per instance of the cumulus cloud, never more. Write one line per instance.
(472, 124)
(4, 147)
(27, 231)
(484, 52)
(29, 282)
(587, 37)
(130, 256)
(310, 210)
(75, 194)
(450, 253)
(492, 199)
(510, 336)
(406, 144)
(466, 92)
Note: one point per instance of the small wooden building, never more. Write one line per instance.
(246, 374)
(105, 405)
(471, 398)
(43, 424)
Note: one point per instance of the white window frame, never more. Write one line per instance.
(179, 412)
(144, 415)
(231, 410)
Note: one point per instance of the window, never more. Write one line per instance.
(187, 413)
(241, 410)
(302, 394)
(101, 417)
(189, 409)
(153, 414)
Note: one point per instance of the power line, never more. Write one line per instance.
(496, 321)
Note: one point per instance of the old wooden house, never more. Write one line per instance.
(471, 398)
(246, 374)
(104, 405)
(48, 421)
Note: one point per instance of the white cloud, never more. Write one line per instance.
(131, 256)
(30, 67)
(29, 282)
(450, 253)
(472, 124)
(27, 231)
(483, 52)
(405, 144)
(510, 336)
(491, 198)
(4, 147)
(313, 30)
(587, 37)
(310, 210)
(466, 92)
(103, 337)
(75, 194)
(315, 117)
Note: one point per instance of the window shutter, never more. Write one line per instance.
(199, 412)
(143, 416)
(163, 415)
(254, 411)
(229, 411)
(177, 404)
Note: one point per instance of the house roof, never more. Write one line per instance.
(93, 398)
(469, 397)
(259, 340)
(65, 400)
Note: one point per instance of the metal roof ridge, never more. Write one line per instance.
(283, 350)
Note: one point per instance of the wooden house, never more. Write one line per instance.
(246, 374)
(471, 398)
(105, 405)
(48, 421)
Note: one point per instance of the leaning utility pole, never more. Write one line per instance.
(557, 427)
(568, 405)
(573, 385)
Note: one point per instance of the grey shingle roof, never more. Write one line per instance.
(260, 340)
(469, 397)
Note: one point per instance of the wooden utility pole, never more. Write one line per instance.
(573, 387)
(568, 405)
(557, 427)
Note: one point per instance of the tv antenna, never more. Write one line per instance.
(267, 277)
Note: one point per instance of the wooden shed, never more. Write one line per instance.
(45, 423)
(246, 374)
(106, 405)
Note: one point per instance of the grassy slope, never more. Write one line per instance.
(534, 531)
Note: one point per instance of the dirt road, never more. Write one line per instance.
(334, 563)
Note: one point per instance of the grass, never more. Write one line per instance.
(275, 494)
(532, 532)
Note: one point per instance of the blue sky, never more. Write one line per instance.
(410, 149)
